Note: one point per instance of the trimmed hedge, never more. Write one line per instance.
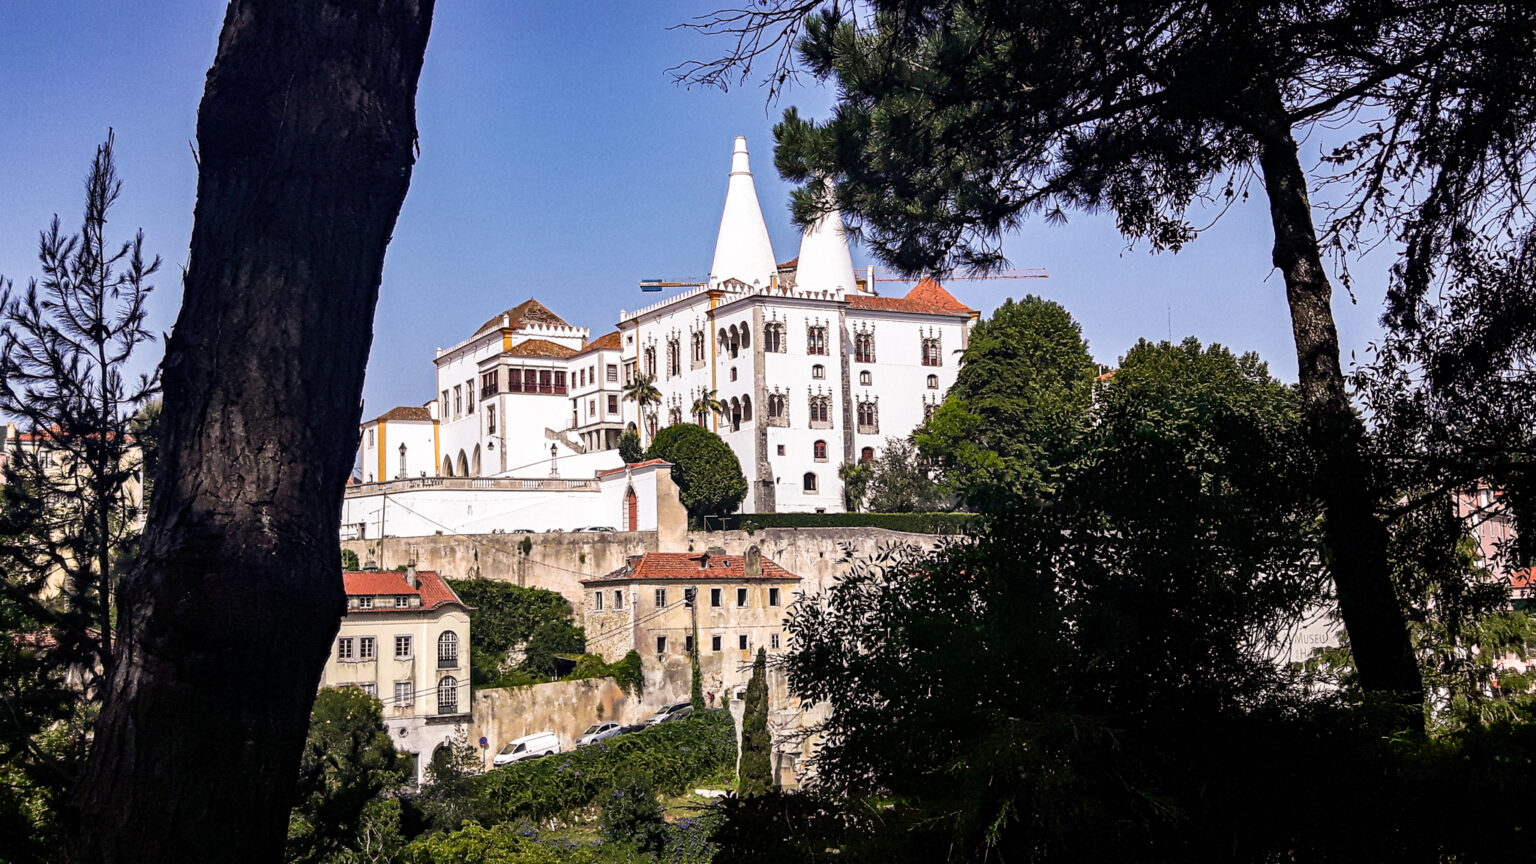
(914, 523)
(668, 758)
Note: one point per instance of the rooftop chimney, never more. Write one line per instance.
(410, 576)
(825, 263)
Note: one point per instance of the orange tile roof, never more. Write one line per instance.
(540, 348)
(672, 566)
(404, 412)
(430, 587)
(1523, 578)
(607, 341)
(927, 297)
(529, 311)
(633, 465)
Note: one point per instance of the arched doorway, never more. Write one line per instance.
(463, 466)
(447, 466)
(475, 465)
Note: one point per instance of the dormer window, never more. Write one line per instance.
(364, 602)
(402, 601)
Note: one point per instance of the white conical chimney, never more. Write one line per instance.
(825, 262)
(742, 249)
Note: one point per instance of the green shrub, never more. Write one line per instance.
(708, 474)
(632, 815)
(349, 560)
(503, 616)
(667, 758)
(912, 523)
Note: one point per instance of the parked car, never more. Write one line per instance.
(520, 531)
(528, 747)
(633, 727)
(597, 732)
(670, 712)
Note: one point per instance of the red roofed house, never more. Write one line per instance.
(654, 603)
(405, 640)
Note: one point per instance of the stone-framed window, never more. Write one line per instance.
(864, 347)
(778, 409)
(696, 341)
(821, 412)
(674, 357)
(650, 360)
(866, 379)
(674, 416)
(808, 482)
(774, 341)
(868, 414)
(448, 695)
(819, 451)
(932, 355)
(816, 339)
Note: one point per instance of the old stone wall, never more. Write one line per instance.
(565, 708)
(558, 562)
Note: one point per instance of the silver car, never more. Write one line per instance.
(597, 732)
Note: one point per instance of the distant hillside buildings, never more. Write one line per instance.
(813, 370)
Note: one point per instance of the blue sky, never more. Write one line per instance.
(558, 161)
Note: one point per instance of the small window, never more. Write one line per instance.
(661, 644)
(370, 436)
(714, 643)
(809, 482)
(618, 599)
(865, 378)
(345, 649)
(367, 648)
(714, 597)
(819, 451)
(370, 688)
(781, 449)
(818, 371)
(688, 644)
(741, 641)
(773, 641)
(365, 602)
(773, 596)
(733, 373)
(661, 598)
(741, 597)
(867, 455)
(613, 374)
(405, 696)
(402, 647)
(933, 382)
(932, 356)
(613, 404)
(688, 598)
(598, 601)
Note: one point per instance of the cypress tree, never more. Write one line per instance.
(756, 772)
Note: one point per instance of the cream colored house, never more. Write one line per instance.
(405, 640)
(656, 601)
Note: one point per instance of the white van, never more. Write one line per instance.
(528, 747)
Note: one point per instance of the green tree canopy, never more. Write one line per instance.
(1017, 408)
(707, 472)
(900, 480)
(756, 741)
(348, 759)
(504, 616)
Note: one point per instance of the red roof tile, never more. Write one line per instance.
(607, 341)
(430, 587)
(927, 297)
(540, 348)
(666, 566)
(634, 465)
(404, 412)
(529, 311)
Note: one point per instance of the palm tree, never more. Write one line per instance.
(643, 392)
(707, 403)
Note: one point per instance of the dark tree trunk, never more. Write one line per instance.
(1356, 539)
(306, 138)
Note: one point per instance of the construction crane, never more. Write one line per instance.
(868, 276)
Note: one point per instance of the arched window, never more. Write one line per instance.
(698, 346)
(821, 411)
(864, 348)
(447, 466)
(448, 650)
(933, 382)
(674, 357)
(865, 378)
(869, 417)
(867, 455)
(819, 449)
(773, 338)
(746, 336)
(809, 481)
(650, 360)
(448, 695)
(475, 465)
(674, 416)
(816, 339)
(735, 414)
(778, 408)
(463, 465)
(746, 409)
(931, 355)
(631, 515)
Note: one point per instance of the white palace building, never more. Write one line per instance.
(813, 368)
